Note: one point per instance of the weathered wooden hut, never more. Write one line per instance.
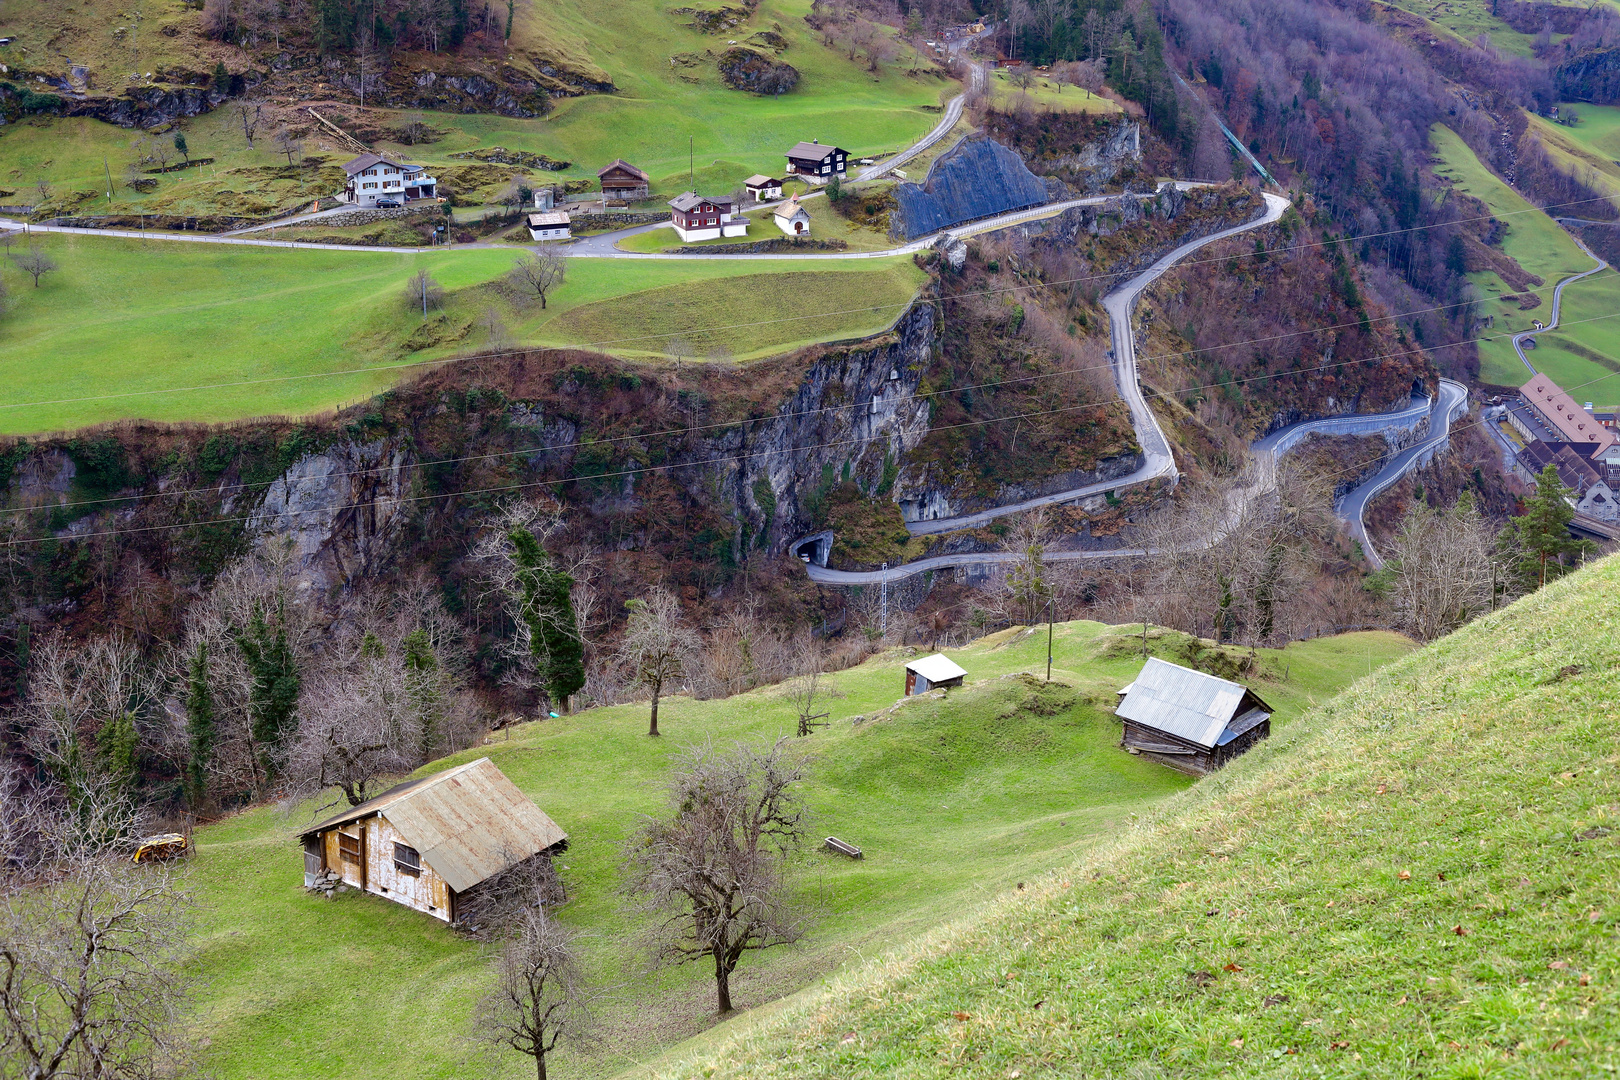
(932, 673)
(1189, 720)
(427, 842)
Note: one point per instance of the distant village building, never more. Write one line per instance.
(814, 160)
(428, 843)
(1578, 441)
(552, 226)
(763, 188)
(932, 673)
(623, 182)
(791, 218)
(373, 178)
(1601, 502)
(698, 217)
(1189, 720)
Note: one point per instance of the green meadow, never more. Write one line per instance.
(955, 799)
(1543, 248)
(176, 331)
(1415, 879)
(670, 115)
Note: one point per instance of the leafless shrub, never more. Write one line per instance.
(1442, 569)
(498, 905)
(422, 292)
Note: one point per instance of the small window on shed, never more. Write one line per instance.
(348, 847)
(407, 860)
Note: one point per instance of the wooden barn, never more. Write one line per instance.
(428, 842)
(932, 673)
(1189, 720)
(623, 182)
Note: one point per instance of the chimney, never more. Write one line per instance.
(817, 142)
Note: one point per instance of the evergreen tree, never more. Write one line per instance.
(276, 682)
(180, 145)
(117, 744)
(426, 689)
(1538, 542)
(199, 724)
(548, 609)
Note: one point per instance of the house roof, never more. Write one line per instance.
(1573, 423)
(936, 668)
(366, 161)
(555, 217)
(688, 200)
(790, 208)
(815, 151)
(468, 823)
(1574, 470)
(1188, 704)
(760, 180)
(620, 163)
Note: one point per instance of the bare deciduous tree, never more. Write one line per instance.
(90, 946)
(289, 144)
(806, 693)
(539, 998)
(535, 275)
(658, 645)
(1027, 579)
(1442, 570)
(715, 870)
(34, 262)
(249, 113)
(423, 292)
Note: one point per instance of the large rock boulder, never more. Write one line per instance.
(745, 69)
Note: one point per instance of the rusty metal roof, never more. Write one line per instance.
(469, 823)
(1186, 703)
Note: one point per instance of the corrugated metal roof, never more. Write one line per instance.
(1181, 701)
(936, 668)
(814, 151)
(469, 823)
(556, 217)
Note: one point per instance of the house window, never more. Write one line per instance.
(407, 860)
(348, 847)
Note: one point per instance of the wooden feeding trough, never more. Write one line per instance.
(843, 848)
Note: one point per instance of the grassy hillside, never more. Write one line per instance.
(300, 331)
(1543, 248)
(954, 801)
(669, 106)
(1415, 879)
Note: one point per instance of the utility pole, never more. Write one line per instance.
(1050, 600)
(108, 170)
(691, 170)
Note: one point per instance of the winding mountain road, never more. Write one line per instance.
(1450, 402)
(1558, 297)
(953, 113)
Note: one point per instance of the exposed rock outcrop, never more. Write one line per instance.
(745, 69)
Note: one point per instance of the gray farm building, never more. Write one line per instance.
(427, 843)
(1189, 720)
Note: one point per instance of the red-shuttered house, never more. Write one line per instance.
(699, 217)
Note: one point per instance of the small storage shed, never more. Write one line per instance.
(792, 218)
(554, 225)
(428, 842)
(1189, 720)
(763, 188)
(932, 673)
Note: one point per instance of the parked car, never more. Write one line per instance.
(387, 204)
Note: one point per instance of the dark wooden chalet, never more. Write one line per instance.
(1189, 720)
(814, 159)
(623, 181)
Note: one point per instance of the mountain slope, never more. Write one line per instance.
(1415, 879)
